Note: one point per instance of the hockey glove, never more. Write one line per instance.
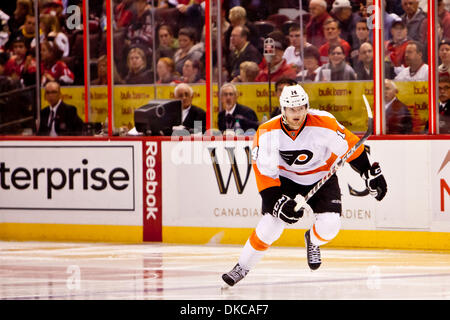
(284, 209)
(375, 182)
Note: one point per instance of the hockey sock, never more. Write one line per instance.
(268, 230)
(325, 228)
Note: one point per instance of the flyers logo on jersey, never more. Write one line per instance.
(296, 157)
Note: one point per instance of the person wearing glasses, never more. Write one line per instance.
(58, 118)
(337, 69)
(234, 115)
(193, 117)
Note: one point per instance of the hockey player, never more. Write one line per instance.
(291, 153)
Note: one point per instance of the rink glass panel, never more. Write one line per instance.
(342, 99)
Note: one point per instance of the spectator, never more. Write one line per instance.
(293, 54)
(193, 117)
(53, 7)
(332, 35)
(342, 12)
(413, 17)
(417, 70)
(249, 70)
(364, 68)
(138, 73)
(398, 117)
(337, 69)
(314, 28)
(21, 66)
(224, 24)
(52, 68)
(278, 66)
(189, 49)
(444, 104)
(51, 31)
(311, 66)
(192, 16)
(56, 8)
(168, 45)
(279, 85)
(23, 8)
(192, 72)
(444, 56)
(444, 19)
(395, 48)
(361, 35)
(123, 14)
(27, 30)
(165, 68)
(6, 83)
(58, 118)
(140, 29)
(243, 50)
(102, 71)
(394, 6)
(238, 17)
(235, 115)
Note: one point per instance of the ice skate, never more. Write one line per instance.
(312, 252)
(235, 275)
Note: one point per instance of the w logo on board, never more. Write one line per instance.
(223, 188)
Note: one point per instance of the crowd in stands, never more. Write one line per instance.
(163, 41)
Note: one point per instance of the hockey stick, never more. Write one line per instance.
(301, 201)
(357, 193)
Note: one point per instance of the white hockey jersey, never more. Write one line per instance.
(303, 156)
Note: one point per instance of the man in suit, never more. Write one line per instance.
(398, 117)
(444, 104)
(235, 115)
(193, 118)
(242, 51)
(59, 118)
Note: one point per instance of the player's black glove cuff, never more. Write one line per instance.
(375, 182)
(285, 210)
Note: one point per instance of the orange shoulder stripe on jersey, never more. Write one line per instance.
(257, 244)
(332, 124)
(315, 120)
